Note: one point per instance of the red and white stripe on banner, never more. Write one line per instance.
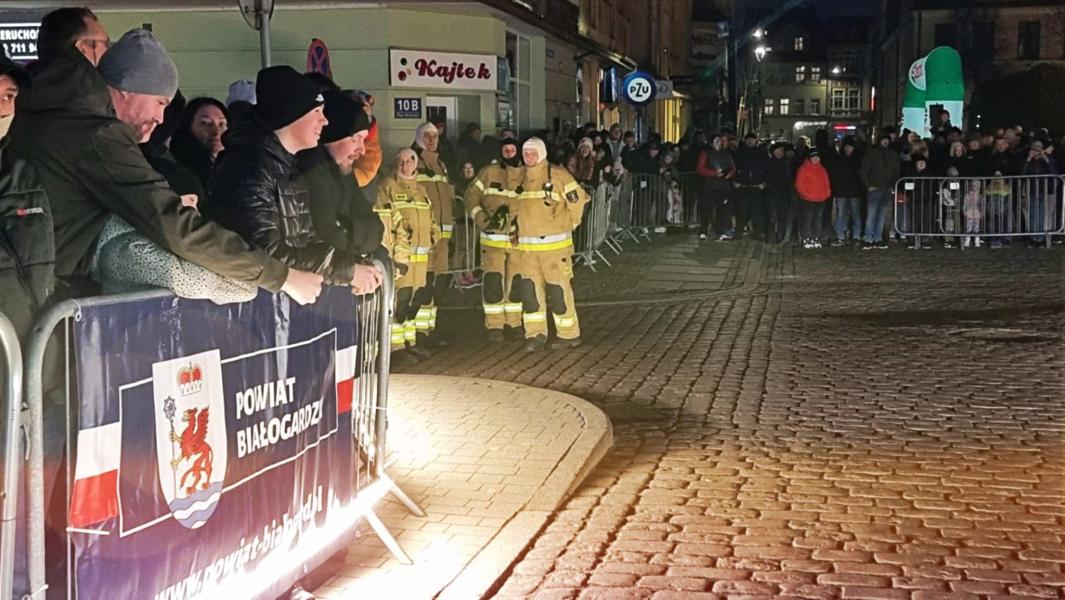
(95, 494)
(345, 370)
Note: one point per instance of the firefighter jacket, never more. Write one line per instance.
(550, 205)
(432, 174)
(407, 213)
(492, 190)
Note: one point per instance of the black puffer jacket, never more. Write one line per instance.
(343, 217)
(252, 193)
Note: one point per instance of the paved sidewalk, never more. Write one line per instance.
(489, 462)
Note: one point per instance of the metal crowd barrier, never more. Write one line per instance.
(974, 208)
(369, 425)
(11, 446)
(594, 231)
(465, 245)
(659, 201)
(690, 188)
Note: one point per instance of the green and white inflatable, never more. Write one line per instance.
(933, 80)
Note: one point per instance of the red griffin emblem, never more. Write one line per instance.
(194, 447)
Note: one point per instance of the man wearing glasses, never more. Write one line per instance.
(76, 27)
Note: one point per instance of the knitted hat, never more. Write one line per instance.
(284, 96)
(814, 154)
(139, 64)
(535, 143)
(345, 115)
(241, 90)
(586, 142)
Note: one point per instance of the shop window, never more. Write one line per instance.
(519, 56)
(800, 106)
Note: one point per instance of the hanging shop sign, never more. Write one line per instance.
(442, 70)
(639, 88)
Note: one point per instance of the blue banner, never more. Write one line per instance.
(214, 451)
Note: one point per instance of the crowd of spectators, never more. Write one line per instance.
(732, 187)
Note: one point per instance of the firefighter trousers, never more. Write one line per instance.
(502, 306)
(436, 285)
(545, 287)
(409, 289)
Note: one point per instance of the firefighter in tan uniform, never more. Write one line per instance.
(410, 232)
(550, 204)
(490, 200)
(432, 174)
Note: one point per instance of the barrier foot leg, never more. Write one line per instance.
(602, 258)
(405, 500)
(386, 537)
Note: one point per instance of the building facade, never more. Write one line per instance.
(996, 39)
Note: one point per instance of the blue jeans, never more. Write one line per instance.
(844, 208)
(877, 204)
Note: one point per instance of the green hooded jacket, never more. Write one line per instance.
(91, 167)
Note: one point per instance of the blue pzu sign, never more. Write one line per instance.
(638, 88)
(408, 108)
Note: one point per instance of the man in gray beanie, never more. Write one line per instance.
(80, 127)
(141, 80)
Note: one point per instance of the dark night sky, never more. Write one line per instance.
(825, 8)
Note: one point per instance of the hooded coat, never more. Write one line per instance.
(91, 166)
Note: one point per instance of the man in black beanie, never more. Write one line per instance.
(342, 216)
(251, 191)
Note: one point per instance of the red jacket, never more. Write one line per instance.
(812, 182)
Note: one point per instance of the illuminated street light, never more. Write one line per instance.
(761, 51)
(836, 70)
(758, 33)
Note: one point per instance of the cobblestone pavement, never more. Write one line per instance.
(856, 425)
(663, 264)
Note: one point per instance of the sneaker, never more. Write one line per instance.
(882, 246)
(868, 245)
(838, 243)
(725, 237)
(702, 237)
(817, 244)
(948, 244)
(535, 344)
(979, 242)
